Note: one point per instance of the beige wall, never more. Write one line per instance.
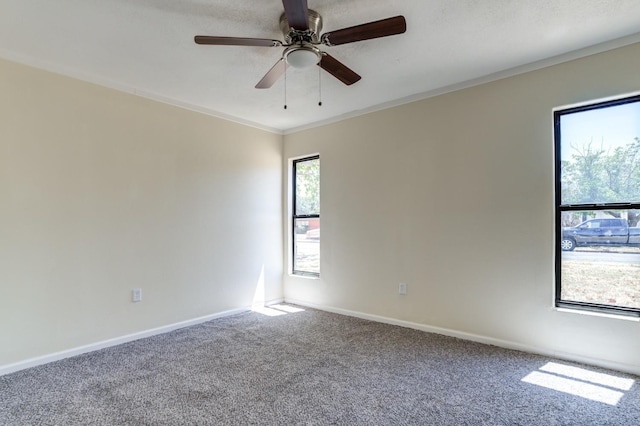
(454, 196)
(102, 192)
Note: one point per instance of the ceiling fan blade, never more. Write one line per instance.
(297, 14)
(338, 69)
(273, 75)
(382, 28)
(236, 41)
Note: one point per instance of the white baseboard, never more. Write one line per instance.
(626, 368)
(45, 359)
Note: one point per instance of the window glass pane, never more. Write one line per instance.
(308, 187)
(600, 155)
(307, 245)
(601, 257)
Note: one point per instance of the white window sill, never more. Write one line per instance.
(306, 277)
(597, 314)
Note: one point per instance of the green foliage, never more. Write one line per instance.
(623, 171)
(599, 176)
(308, 187)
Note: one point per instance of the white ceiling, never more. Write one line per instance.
(146, 47)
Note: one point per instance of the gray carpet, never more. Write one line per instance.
(309, 368)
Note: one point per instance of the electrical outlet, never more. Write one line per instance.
(402, 288)
(137, 295)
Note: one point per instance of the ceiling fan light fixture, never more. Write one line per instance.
(302, 57)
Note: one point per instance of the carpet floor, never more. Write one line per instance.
(314, 368)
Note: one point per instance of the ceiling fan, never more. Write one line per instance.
(301, 27)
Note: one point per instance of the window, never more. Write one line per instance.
(306, 216)
(598, 206)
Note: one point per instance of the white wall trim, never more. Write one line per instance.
(45, 359)
(499, 75)
(104, 82)
(114, 85)
(626, 368)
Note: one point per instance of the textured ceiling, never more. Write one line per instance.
(146, 47)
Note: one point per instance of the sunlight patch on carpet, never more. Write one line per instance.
(268, 311)
(580, 382)
(276, 310)
(287, 308)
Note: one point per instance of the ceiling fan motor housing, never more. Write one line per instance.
(312, 35)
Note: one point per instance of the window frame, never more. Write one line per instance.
(560, 208)
(295, 216)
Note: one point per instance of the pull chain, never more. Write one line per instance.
(319, 86)
(285, 86)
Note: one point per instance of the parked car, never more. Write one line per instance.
(600, 232)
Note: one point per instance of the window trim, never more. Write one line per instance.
(560, 208)
(295, 217)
